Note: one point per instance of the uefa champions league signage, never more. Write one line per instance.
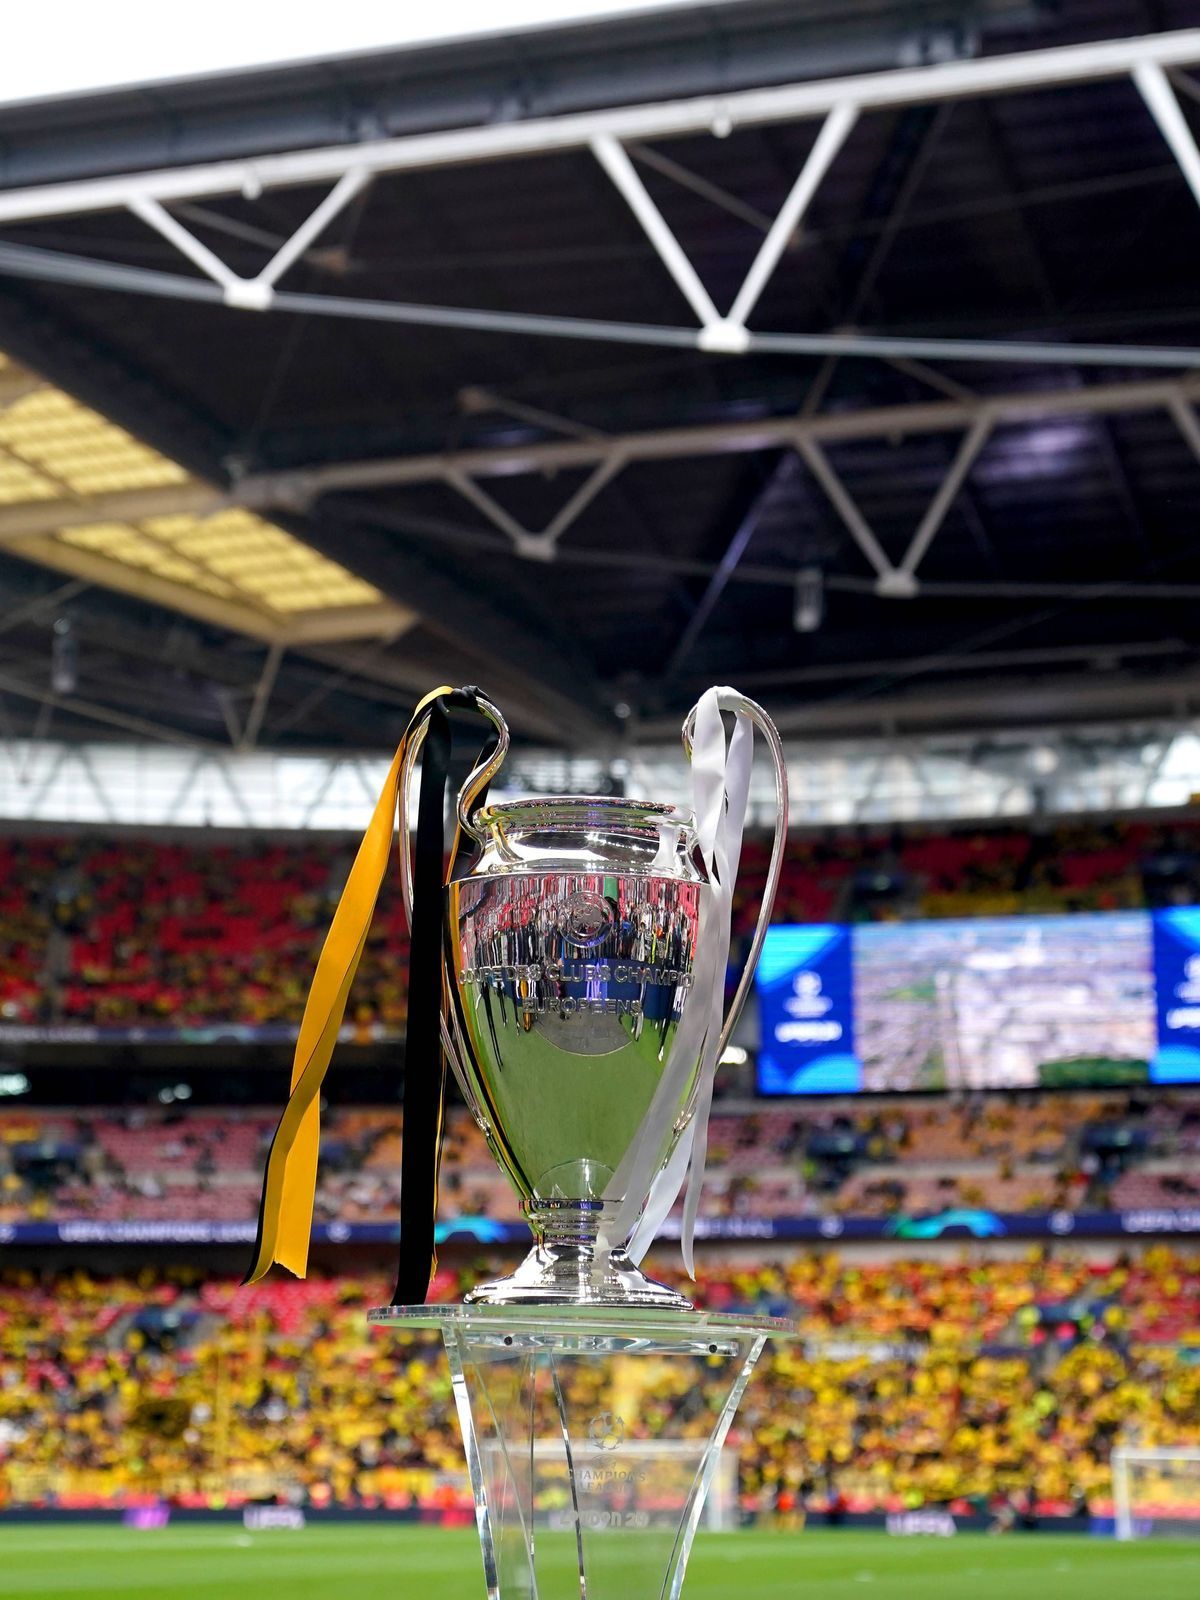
(1014, 1002)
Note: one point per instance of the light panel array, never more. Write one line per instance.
(74, 448)
(234, 554)
(52, 448)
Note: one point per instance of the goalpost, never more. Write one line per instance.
(1156, 1491)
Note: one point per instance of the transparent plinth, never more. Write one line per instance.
(593, 1437)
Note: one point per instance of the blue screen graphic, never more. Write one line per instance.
(1104, 998)
(806, 1012)
(1177, 985)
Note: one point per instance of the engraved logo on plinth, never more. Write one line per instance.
(606, 1430)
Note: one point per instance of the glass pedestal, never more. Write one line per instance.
(593, 1438)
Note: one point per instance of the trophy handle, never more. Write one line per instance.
(482, 774)
(486, 770)
(730, 700)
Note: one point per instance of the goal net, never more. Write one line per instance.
(1156, 1492)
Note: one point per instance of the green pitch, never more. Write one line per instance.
(378, 1562)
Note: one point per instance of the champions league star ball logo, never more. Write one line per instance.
(807, 999)
(606, 1430)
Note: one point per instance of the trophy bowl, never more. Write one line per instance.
(571, 943)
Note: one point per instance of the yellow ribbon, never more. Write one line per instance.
(289, 1187)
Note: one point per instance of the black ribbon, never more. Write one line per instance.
(424, 1061)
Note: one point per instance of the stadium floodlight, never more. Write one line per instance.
(1156, 1491)
(808, 607)
(64, 657)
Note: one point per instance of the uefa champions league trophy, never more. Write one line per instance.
(585, 947)
(573, 974)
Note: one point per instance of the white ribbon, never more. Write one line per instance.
(720, 789)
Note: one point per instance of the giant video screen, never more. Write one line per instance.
(1097, 998)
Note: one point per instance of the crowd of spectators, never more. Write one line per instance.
(913, 1383)
(864, 874)
(1038, 1152)
(141, 932)
(138, 931)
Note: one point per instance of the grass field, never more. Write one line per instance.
(376, 1562)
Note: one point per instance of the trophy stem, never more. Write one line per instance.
(575, 1262)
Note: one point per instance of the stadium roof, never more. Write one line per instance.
(430, 350)
(198, 554)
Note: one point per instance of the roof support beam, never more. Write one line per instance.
(91, 712)
(249, 294)
(541, 665)
(1184, 415)
(1156, 91)
(610, 153)
(949, 80)
(835, 130)
(606, 133)
(51, 266)
(26, 527)
(538, 546)
(899, 582)
(130, 505)
(972, 443)
(303, 485)
(856, 524)
(728, 333)
(262, 696)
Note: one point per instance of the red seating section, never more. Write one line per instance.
(183, 934)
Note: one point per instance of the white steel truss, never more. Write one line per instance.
(609, 134)
(602, 457)
(944, 777)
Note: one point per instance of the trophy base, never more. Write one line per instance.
(552, 1277)
(572, 1263)
(593, 1438)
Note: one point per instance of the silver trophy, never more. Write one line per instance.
(570, 943)
(578, 947)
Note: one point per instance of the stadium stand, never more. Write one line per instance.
(113, 932)
(838, 1158)
(915, 1383)
(120, 931)
(958, 1380)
